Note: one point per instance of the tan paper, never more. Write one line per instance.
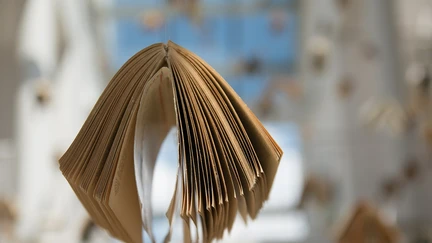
(226, 158)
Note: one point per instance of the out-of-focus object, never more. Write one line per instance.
(423, 237)
(7, 212)
(91, 233)
(252, 65)
(42, 92)
(427, 133)
(191, 7)
(265, 106)
(411, 117)
(288, 86)
(316, 188)
(278, 20)
(417, 76)
(152, 19)
(319, 51)
(365, 224)
(411, 169)
(293, 89)
(345, 87)
(87, 230)
(370, 112)
(342, 4)
(7, 221)
(386, 115)
(391, 187)
(394, 119)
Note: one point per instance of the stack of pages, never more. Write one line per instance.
(226, 158)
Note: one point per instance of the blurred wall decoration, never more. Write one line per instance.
(342, 85)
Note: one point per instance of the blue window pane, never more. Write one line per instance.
(262, 41)
(221, 40)
(249, 87)
(207, 40)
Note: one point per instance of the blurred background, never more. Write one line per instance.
(342, 85)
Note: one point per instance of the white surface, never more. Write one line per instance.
(48, 207)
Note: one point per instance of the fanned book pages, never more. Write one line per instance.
(226, 158)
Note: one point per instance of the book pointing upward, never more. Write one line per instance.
(226, 158)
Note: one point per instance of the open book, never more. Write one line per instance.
(226, 159)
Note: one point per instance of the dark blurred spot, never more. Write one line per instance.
(319, 51)
(391, 187)
(424, 84)
(6, 212)
(342, 4)
(252, 65)
(411, 169)
(316, 188)
(421, 239)
(41, 99)
(427, 134)
(345, 87)
(88, 230)
(318, 61)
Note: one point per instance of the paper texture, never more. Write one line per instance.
(227, 160)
